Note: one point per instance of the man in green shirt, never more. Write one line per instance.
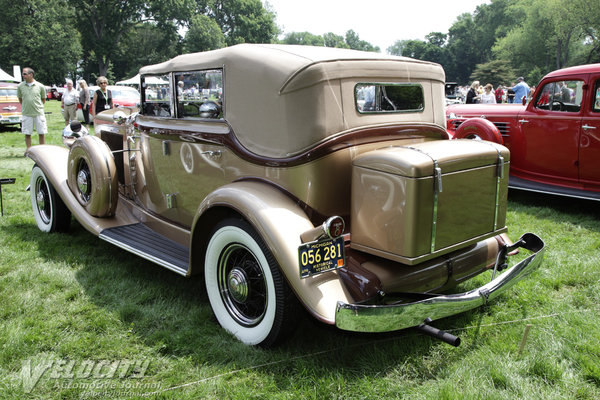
(32, 96)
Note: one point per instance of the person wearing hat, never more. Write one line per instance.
(69, 101)
(521, 90)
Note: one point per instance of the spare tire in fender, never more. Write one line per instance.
(479, 128)
(92, 176)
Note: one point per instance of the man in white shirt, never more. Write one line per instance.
(69, 101)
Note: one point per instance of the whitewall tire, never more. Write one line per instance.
(49, 211)
(247, 292)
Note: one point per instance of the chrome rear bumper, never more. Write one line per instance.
(385, 318)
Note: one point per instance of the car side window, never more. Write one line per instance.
(561, 96)
(596, 105)
(156, 95)
(199, 94)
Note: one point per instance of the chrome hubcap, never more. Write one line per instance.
(82, 181)
(42, 201)
(238, 285)
(242, 285)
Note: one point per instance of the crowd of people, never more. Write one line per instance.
(32, 96)
(479, 94)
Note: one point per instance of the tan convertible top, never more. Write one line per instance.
(282, 99)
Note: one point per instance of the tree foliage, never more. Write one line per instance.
(204, 34)
(242, 21)
(354, 42)
(30, 30)
(330, 39)
(144, 44)
(496, 72)
(304, 38)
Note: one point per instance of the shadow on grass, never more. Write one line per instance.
(172, 315)
(10, 128)
(586, 212)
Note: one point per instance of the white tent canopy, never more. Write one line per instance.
(150, 80)
(4, 77)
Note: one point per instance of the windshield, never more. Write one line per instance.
(127, 93)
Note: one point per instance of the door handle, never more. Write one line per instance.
(586, 127)
(522, 121)
(210, 153)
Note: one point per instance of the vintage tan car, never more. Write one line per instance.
(295, 175)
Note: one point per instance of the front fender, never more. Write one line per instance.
(53, 162)
(279, 221)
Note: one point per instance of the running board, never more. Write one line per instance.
(523, 184)
(146, 243)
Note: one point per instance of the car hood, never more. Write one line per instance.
(478, 110)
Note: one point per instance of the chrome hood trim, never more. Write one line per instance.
(385, 318)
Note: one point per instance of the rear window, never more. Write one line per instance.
(388, 98)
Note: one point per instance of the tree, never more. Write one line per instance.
(242, 21)
(463, 46)
(30, 30)
(496, 72)
(204, 34)
(333, 40)
(543, 39)
(144, 44)
(303, 38)
(354, 42)
(433, 50)
(103, 26)
(588, 13)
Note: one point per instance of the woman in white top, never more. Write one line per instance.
(488, 97)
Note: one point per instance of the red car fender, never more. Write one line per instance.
(478, 128)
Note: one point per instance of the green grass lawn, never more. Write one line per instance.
(80, 319)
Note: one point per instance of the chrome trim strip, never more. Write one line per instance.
(146, 256)
(437, 188)
(385, 318)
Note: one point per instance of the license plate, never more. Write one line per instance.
(14, 119)
(320, 256)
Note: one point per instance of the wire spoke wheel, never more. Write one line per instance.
(49, 211)
(242, 285)
(247, 292)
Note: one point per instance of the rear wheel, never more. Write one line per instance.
(247, 292)
(49, 211)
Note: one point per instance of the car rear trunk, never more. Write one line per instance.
(413, 203)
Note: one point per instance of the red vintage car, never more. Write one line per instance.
(554, 140)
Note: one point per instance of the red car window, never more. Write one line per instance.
(561, 96)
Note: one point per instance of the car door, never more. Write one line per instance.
(589, 151)
(551, 127)
(181, 134)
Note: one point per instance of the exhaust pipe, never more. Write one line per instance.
(438, 333)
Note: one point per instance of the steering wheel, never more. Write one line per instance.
(561, 105)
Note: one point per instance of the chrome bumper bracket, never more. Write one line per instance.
(386, 318)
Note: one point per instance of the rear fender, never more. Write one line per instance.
(280, 222)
